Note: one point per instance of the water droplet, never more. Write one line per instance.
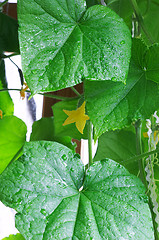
(43, 211)
(122, 42)
(113, 78)
(64, 157)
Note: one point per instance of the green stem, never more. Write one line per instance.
(3, 3)
(143, 155)
(90, 143)
(142, 173)
(44, 94)
(58, 97)
(139, 152)
(75, 91)
(9, 56)
(140, 20)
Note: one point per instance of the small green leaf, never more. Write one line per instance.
(60, 116)
(113, 106)
(6, 104)
(119, 146)
(44, 130)
(68, 43)
(12, 138)
(8, 34)
(18, 236)
(44, 186)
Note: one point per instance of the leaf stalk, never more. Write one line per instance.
(90, 143)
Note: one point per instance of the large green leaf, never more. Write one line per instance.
(62, 43)
(44, 130)
(113, 106)
(8, 34)
(119, 146)
(44, 186)
(6, 104)
(12, 138)
(60, 117)
(18, 236)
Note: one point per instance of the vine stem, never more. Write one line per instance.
(3, 3)
(90, 143)
(44, 94)
(75, 91)
(143, 175)
(9, 56)
(139, 151)
(143, 155)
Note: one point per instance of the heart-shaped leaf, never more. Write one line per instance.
(62, 43)
(113, 106)
(12, 138)
(46, 188)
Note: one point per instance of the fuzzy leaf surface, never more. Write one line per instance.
(63, 43)
(43, 186)
(113, 105)
(12, 138)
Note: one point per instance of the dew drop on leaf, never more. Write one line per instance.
(64, 157)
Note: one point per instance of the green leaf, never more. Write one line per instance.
(12, 138)
(113, 106)
(44, 186)
(119, 146)
(149, 11)
(152, 63)
(6, 104)
(123, 8)
(68, 43)
(44, 130)
(8, 34)
(18, 236)
(92, 2)
(60, 117)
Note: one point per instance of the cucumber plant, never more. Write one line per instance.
(112, 48)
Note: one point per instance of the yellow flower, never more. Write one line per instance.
(1, 114)
(156, 137)
(78, 116)
(22, 92)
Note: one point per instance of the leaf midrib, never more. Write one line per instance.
(54, 16)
